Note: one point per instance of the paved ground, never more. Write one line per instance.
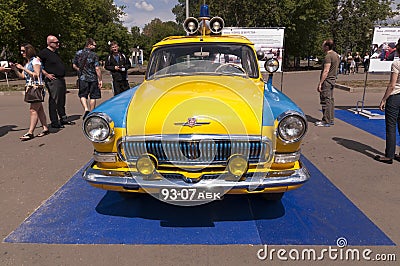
(32, 171)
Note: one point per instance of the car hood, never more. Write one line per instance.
(220, 105)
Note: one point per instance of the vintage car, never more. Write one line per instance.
(202, 124)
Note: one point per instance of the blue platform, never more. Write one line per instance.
(375, 127)
(316, 214)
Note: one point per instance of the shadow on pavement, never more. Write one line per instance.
(74, 117)
(357, 146)
(311, 119)
(232, 208)
(5, 129)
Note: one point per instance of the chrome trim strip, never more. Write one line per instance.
(109, 157)
(287, 157)
(122, 179)
(194, 137)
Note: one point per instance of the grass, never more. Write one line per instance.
(361, 83)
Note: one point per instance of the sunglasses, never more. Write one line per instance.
(55, 42)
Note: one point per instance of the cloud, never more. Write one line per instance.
(144, 6)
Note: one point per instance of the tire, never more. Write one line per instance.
(273, 196)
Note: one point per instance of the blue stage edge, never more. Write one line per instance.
(375, 127)
(316, 214)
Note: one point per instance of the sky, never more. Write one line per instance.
(141, 12)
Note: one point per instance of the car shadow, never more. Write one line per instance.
(357, 146)
(231, 208)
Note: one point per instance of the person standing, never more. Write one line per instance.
(391, 104)
(366, 62)
(54, 72)
(32, 72)
(86, 63)
(118, 64)
(357, 61)
(327, 83)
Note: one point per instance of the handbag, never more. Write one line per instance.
(34, 93)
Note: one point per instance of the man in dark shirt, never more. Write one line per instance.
(86, 63)
(54, 73)
(118, 64)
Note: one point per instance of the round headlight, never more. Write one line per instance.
(292, 128)
(237, 165)
(97, 128)
(271, 65)
(146, 165)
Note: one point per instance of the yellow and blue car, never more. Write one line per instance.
(202, 124)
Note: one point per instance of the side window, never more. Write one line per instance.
(249, 63)
(159, 61)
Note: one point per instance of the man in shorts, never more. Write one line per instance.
(86, 63)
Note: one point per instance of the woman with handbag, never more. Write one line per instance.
(32, 73)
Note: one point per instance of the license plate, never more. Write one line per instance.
(190, 194)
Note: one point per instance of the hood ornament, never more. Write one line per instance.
(191, 122)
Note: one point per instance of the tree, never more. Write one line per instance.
(306, 22)
(68, 20)
(157, 30)
(10, 12)
(352, 22)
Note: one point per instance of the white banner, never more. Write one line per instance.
(268, 40)
(383, 50)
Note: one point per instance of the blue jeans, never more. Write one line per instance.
(392, 119)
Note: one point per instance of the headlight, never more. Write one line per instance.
(292, 128)
(98, 127)
(271, 65)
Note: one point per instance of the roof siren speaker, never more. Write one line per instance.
(216, 25)
(191, 25)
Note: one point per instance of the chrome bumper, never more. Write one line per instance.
(129, 180)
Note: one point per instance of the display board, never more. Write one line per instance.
(383, 50)
(268, 40)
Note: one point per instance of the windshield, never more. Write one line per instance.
(203, 59)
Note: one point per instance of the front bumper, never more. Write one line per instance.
(130, 181)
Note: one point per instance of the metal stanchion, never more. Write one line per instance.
(363, 97)
(360, 105)
(8, 84)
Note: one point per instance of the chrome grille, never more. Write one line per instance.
(195, 149)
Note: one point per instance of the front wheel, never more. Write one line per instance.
(273, 196)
